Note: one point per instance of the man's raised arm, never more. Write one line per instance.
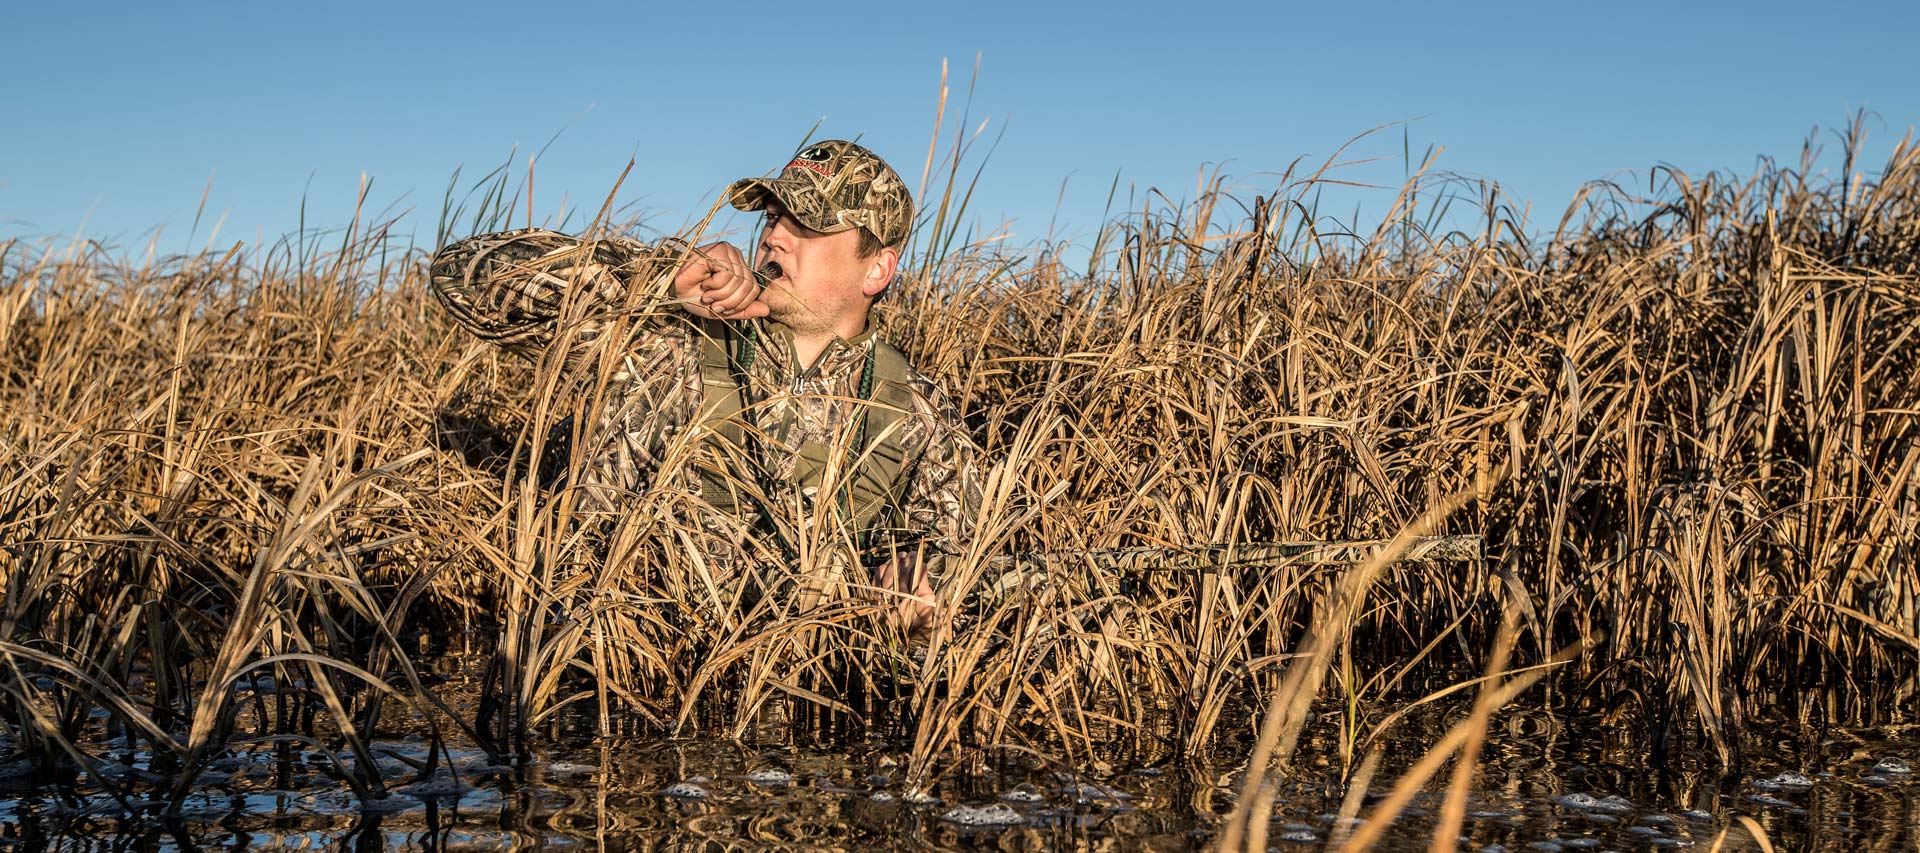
(520, 289)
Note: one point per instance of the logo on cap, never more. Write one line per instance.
(815, 159)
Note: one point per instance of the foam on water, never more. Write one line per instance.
(997, 814)
(770, 776)
(1297, 836)
(1609, 804)
(685, 791)
(1023, 794)
(1787, 781)
(1088, 792)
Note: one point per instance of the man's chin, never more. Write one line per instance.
(779, 312)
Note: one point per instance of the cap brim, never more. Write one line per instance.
(753, 193)
(749, 193)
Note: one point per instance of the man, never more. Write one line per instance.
(766, 393)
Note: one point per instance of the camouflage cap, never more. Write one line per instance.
(835, 186)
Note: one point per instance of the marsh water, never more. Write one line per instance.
(1545, 782)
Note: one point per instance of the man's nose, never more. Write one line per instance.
(771, 237)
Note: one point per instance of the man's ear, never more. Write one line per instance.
(880, 271)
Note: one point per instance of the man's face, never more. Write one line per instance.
(817, 276)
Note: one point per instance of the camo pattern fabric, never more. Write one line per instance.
(835, 186)
(540, 294)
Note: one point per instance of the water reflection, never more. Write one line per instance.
(1543, 788)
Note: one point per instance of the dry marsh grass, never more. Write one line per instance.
(1688, 427)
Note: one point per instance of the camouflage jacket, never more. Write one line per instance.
(603, 310)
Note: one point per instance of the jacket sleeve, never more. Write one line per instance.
(944, 492)
(528, 289)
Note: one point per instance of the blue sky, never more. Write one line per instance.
(117, 116)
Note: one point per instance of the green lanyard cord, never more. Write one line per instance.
(744, 347)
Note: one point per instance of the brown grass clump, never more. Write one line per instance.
(1686, 426)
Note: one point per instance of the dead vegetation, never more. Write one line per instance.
(1688, 427)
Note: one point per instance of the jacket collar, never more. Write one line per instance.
(840, 356)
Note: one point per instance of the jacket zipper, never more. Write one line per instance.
(813, 370)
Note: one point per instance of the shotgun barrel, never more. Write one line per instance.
(1130, 561)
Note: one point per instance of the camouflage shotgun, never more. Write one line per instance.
(1437, 549)
(1016, 570)
(1033, 571)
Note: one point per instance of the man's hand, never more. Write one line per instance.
(905, 581)
(716, 283)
